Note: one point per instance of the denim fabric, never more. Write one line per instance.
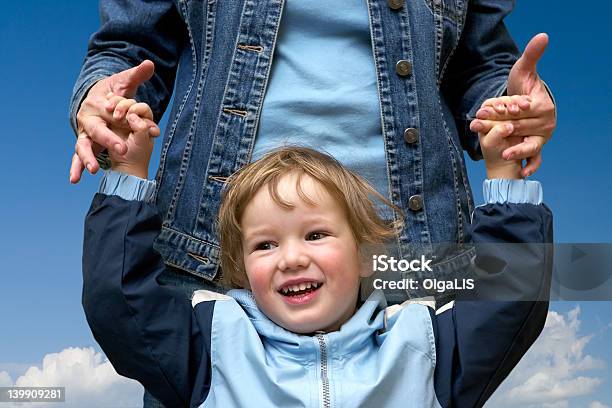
(218, 56)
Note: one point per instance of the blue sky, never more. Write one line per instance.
(42, 46)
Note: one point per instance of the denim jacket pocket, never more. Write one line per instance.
(449, 18)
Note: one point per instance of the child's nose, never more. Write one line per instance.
(293, 257)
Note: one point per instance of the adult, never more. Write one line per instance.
(389, 87)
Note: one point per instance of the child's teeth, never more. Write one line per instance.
(300, 287)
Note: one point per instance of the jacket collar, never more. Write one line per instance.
(353, 336)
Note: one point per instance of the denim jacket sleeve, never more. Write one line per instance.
(480, 66)
(130, 32)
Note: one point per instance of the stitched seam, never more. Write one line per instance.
(265, 84)
(164, 153)
(455, 176)
(189, 237)
(215, 135)
(380, 108)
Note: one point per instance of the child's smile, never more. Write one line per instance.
(303, 263)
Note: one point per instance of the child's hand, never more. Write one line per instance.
(528, 121)
(136, 127)
(493, 144)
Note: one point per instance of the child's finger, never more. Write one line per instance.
(112, 101)
(532, 165)
(122, 108)
(141, 109)
(137, 124)
(496, 135)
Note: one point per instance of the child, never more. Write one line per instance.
(292, 228)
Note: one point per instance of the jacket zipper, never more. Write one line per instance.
(324, 378)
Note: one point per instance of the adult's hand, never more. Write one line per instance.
(534, 122)
(95, 117)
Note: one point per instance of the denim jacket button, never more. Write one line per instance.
(411, 135)
(395, 4)
(415, 203)
(403, 67)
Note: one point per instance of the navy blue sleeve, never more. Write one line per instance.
(148, 331)
(478, 342)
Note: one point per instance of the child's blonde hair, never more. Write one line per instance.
(350, 190)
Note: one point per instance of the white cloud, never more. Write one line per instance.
(89, 378)
(553, 370)
(597, 404)
(5, 379)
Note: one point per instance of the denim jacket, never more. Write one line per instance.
(436, 62)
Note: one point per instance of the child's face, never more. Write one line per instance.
(311, 248)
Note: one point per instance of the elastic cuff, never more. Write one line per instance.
(127, 186)
(500, 191)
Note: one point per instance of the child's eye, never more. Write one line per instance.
(314, 236)
(263, 246)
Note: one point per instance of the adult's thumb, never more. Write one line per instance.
(532, 54)
(126, 82)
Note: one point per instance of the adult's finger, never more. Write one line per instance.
(154, 130)
(96, 128)
(534, 50)
(481, 126)
(532, 165)
(498, 108)
(84, 151)
(126, 83)
(531, 146)
(76, 169)
(523, 78)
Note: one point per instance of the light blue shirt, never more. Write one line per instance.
(322, 91)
